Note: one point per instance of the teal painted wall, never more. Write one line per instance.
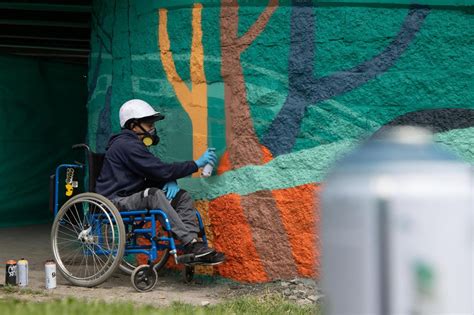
(307, 83)
(208, 3)
(433, 72)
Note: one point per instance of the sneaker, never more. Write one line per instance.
(199, 249)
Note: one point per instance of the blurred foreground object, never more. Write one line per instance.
(397, 229)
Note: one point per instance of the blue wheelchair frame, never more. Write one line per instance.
(129, 218)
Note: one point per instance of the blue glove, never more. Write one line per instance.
(208, 157)
(171, 189)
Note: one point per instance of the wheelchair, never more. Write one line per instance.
(90, 238)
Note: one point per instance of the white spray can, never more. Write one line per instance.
(22, 272)
(397, 236)
(207, 170)
(50, 271)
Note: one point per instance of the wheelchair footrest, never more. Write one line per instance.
(213, 259)
(186, 259)
(202, 263)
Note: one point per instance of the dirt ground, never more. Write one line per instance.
(33, 243)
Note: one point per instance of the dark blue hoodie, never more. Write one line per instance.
(129, 167)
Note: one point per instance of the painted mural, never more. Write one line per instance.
(282, 89)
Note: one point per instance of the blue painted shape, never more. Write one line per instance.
(305, 89)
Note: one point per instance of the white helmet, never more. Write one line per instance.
(137, 109)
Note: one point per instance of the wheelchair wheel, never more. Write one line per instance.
(88, 239)
(127, 266)
(144, 278)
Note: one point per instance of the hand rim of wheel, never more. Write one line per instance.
(104, 204)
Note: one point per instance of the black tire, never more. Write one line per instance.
(144, 278)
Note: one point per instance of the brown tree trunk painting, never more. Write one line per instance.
(243, 147)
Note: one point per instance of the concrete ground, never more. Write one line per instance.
(33, 243)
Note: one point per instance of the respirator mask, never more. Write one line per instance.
(149, 137)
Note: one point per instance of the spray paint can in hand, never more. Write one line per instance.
(207, 170)
(50, 270)
(10, 272)
(22, 272)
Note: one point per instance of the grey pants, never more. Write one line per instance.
(182, 217)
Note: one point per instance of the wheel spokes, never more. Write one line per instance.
(78, 237)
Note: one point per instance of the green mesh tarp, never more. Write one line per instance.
(42, 113)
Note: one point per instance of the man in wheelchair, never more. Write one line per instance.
(133, 178)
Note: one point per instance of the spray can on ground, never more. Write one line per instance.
(50, 271)
(207, 170)
(22, 272)
(10, 272)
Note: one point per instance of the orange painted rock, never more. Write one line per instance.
(299, 211)
(232, 235)
(240, 229)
